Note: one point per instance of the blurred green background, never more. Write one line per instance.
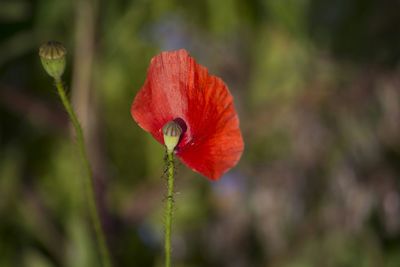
(317, 89)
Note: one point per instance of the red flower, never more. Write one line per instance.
(179, 89)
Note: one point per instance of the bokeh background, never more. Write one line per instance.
(317, 89)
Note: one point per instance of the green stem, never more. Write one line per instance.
(169, 209)
(89, 186)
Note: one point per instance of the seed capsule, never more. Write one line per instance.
(172, 133)
(52, 54)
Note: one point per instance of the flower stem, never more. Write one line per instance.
(169, 208)
(89, 186)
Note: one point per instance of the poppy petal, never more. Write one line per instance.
(177, 88)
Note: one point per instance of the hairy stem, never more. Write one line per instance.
(89, 186)
(169, 208)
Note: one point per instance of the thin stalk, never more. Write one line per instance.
(89, 186)
(169, 208)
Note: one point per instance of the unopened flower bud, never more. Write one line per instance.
(52, 54)
(172, 132)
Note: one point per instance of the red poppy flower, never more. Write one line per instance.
(179, 89)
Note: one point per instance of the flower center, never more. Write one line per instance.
(172, 132)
